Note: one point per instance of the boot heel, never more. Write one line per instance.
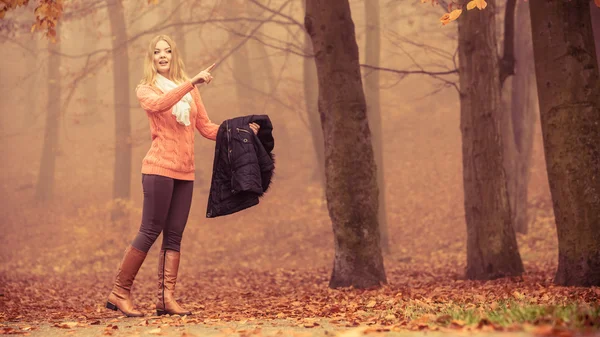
(111, 306)
(160, 312)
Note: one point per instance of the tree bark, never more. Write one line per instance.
(372, 57)
(120, 59)
(178, 35)
(45, 183)
(350, 169)
(268, 84)
(92, 113)
(492, 250)
(595, 13)
(311, 97)
(568, 91)
(523, 112)
(241, 69)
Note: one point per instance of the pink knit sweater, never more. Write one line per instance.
(172, 151)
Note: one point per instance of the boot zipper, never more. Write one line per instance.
(163, 280)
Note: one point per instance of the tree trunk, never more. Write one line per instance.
(178, 35)
(372, 57)
(122, 166)
(492, 250)
(92, 109)
(568, 90)
(241, 70)
(45, 183)
(35, 76)
(595, 13)
(523, 112)
(266, 79)
(349, 161)
(268, 84)
(311, 97)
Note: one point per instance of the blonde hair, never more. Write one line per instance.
(176, 70)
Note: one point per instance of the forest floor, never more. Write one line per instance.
(254, 274)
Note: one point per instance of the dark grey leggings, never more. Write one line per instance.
(166, 208)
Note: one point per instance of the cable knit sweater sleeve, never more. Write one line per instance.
(155, 103)
(206, 128)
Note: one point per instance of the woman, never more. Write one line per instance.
(174, 107)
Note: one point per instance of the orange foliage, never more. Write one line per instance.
(454, 14)
(47, 14)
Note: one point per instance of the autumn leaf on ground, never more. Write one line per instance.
(156, 331)
(448, 17)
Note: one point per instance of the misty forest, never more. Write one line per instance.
(437, 168)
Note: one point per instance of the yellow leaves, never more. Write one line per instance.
(452, 15)
(449, 17)
(480, 4)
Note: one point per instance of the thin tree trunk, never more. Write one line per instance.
(265, 79)
(523, 113)
(349, 160)
(492, 250)
(45, 183)
(372, 57)
(34, 87)
(92, 114)
(267, 83)
(241, 70)
(568, 90)
(311, 97)
(178, 35)
(122, 166)
(595, 13)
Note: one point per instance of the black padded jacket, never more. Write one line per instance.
(243, 165)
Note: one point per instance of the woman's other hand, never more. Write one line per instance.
(254, 127)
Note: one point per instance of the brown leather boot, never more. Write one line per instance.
(168, 265)
(120, 296)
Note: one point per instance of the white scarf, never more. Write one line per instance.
(181, 110)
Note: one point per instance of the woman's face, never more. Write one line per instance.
(162, 57)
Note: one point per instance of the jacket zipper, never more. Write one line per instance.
(229, 154)
(228, 142)
(243, 130)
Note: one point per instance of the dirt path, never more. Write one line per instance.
(176, 327)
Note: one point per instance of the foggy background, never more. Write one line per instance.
(73, 234)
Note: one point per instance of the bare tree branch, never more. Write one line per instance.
(289, 18)
(434, 74)
(252, 32)
(91, 6)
